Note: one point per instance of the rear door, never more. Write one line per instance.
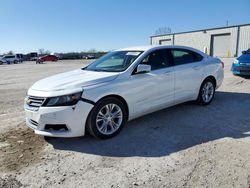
(188, 70)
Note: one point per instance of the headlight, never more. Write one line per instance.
(65, 100)
(236, 61)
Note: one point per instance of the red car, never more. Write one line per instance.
(47, 58)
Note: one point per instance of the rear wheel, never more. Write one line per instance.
(207, 92)
(107, 118)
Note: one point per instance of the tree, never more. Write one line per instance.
(41, 51)
(163, 31)
(92, 50)
(47, 52)
(10, 52)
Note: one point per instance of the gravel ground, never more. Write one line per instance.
(183, 146)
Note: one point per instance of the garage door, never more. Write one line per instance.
(220, 45)
(165, 42)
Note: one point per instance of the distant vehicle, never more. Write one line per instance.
(47, 58)
(10, 59)
(88, 57)
(120, 86)
(33, 56)
(1, 61)
(241, 66)
(20, 57)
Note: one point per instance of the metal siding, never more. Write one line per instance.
(244, 38)
(202, 39)
(166, 42)
(198, 40)
(156, 40)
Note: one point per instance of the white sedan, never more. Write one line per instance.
(120, 86)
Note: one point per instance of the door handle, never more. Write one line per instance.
(167, 72)
(196, 67)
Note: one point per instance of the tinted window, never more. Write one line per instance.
(197, 57)
(158, 59)
(185, 56)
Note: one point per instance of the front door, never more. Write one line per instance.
(153, 90)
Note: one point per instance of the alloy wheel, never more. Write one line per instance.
(109, 119)
(207, 92)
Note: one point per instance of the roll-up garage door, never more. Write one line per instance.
(220, 45)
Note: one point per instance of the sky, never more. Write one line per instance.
(80, 25)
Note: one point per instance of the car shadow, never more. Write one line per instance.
(171, 130)
(245, 77)
(242, 76)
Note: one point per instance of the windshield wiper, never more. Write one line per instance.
(84, 68)
(98, 70)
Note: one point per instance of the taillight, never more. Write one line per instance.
(222, 64)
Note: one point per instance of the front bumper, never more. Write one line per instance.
(74, 117)
(241, 69)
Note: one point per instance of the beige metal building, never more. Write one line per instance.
(222, 42)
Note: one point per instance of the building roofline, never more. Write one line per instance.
(200, 30)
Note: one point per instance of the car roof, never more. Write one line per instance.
(154, 47)
(9, 56)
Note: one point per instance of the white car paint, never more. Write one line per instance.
(143, 93)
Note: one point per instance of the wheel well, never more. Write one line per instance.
(212, 78)
(119, 98)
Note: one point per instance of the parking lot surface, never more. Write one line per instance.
(183, 146)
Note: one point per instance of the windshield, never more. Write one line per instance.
(116, 61)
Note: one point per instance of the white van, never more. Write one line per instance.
(9, 59)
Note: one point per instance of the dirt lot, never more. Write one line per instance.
(184, 146)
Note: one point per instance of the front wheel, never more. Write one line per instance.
(207, 92)
(107, 118)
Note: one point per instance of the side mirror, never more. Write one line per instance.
(244, 52)
(143, 68)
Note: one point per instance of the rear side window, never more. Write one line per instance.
(197, 57)
(158, 59)
(185, 56)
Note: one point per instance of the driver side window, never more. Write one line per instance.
(157, 59)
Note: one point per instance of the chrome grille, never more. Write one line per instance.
(33, 103)
(245, 69)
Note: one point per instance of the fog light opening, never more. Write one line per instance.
(56, 127)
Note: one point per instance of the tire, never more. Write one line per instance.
(15, 62)
(1, 62)
(207, 92)
(107, 118)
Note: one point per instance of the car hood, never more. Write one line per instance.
(244, 58)
(73, 80)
